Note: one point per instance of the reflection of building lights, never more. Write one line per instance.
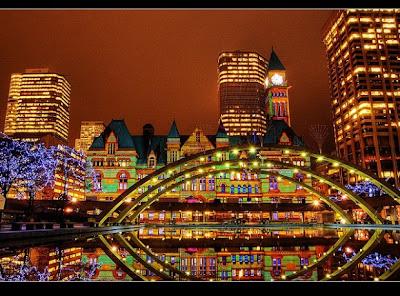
(68, 210)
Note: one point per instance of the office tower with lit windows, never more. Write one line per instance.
(89, 131)
(38, 106)
(241, 89)
(363, 61)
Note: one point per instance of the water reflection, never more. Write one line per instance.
(280, 253)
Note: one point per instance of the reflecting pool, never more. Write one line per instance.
(207, 253)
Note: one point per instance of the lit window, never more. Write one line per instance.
(152, 162)
(123, 181)
(111, 148)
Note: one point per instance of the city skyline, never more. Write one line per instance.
(121, 66)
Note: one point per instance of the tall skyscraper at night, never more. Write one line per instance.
(38, 106)
(241, 89)
(363, 61)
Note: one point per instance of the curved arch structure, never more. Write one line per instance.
(195, 166)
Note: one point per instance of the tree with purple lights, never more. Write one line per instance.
(366, 188)
(25, 166)
(74, 170)
(37, 174)
(13, 161)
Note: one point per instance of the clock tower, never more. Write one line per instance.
(277, 100)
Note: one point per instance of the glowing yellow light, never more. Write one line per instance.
(235, 151)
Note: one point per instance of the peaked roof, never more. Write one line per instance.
(221, 133)
(173, 132)
(275, 130)
(274, 62)
(157, 144)
(118, 127)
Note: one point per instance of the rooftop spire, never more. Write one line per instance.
(173, 132)
(274, 62)
(221, 133)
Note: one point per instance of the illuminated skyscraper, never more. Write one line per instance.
(363, 58)
(241, 88)
(89, 131)
(38, 106)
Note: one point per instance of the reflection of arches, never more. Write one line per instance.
(167, 272)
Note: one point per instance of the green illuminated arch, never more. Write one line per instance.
(183, 163)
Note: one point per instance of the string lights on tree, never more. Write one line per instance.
(375, 260)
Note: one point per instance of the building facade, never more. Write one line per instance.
(362, 51)
(38, 106)
(89, 130)
(121, 159)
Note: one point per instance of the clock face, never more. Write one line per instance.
(277, 79)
